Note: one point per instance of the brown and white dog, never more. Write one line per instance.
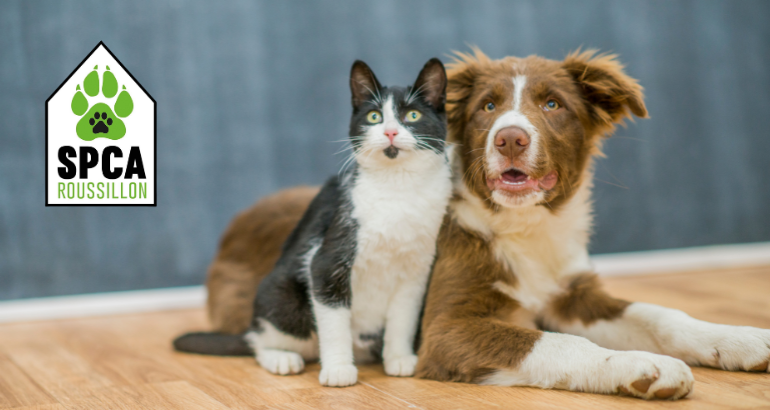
(512, 257)
(513, 299)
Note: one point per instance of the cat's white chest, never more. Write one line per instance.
(399, 216)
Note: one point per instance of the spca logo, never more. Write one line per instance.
(100, 137)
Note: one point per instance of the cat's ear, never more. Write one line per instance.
(431, 83)
(363, 83)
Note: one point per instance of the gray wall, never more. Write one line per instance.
(250, 94)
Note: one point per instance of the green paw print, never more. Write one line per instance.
(100, 121)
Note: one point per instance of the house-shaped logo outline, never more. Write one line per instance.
(154, 136)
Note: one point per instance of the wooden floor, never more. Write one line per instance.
(126, 362)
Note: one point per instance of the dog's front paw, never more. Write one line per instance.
(401, 366)
(740, 348)
(338, 376)
(650, 376)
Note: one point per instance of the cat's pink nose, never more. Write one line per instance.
(391, 134)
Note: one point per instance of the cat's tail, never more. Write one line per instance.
(210, 343)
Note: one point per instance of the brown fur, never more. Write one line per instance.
(247, 252)
(593, 90)
(468, 326)
(586, 300)
(464, 334)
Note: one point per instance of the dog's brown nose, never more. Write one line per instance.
(511, 141)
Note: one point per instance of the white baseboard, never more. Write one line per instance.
(100, 304)
(684, 259)
(617, 264)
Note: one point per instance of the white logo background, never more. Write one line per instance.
(140, 131)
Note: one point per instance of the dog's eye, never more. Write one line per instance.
(413, 116)
(551, 105)
(489, 107)
(374, 117)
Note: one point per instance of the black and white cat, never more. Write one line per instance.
(350, 283)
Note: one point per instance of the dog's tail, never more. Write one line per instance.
(210, 343)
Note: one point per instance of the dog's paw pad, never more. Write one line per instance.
(762, 367)
(280, 361)
(666, 393)
(650, 376)
(338, 376)
(643, 385)
(401, 366)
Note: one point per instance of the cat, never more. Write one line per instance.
(350, 283)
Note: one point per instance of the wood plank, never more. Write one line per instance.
(17, 389)
(60, 373)
(171, 395)
(126, 362)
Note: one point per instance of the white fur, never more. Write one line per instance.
(539, 246)
(672, 332)
(280, 353)
(496, 163)
(512, 118)
(336, 345)
(399, 205)
(543, 249)
(560, 361)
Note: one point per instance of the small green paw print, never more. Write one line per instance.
(100, 121)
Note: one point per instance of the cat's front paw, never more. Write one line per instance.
(338, 376)
(739, 348)
(280, 361)
(401, 366)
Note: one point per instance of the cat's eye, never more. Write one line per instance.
(551, 105)
(413, 116)
(489, 107)
(374, 117)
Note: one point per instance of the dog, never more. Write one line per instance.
(512, 258)
(513, 299)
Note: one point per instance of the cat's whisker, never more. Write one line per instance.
(377, 96)
(344, 150)
(414, 93)
(347, 163)
(443, 142)
(428, 146)
(354, 138)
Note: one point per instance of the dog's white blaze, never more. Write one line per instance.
(513, 118)
(518, 90)
(560, 361)
(672, 332)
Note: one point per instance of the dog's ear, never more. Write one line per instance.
(363, 83)
(607, 90)
(462, 73)
(431, 83)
